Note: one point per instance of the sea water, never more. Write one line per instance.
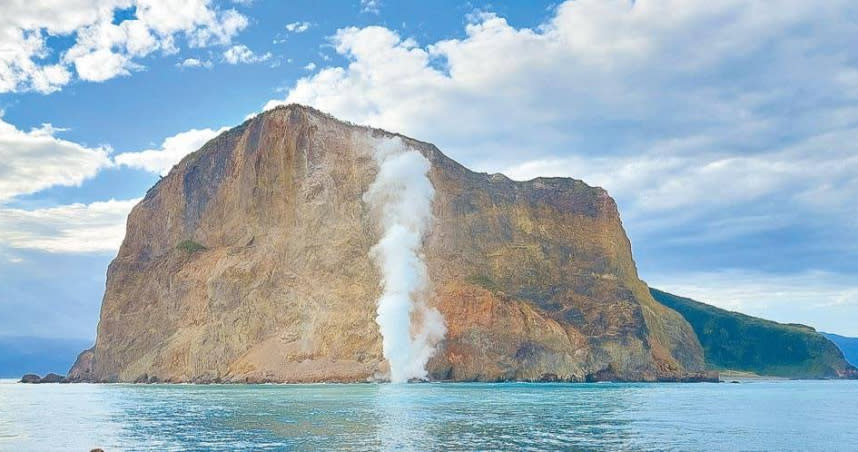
(752, 416)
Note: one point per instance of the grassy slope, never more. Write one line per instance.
(740, 342)
(848, 345)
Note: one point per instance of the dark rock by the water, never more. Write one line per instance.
(53, 378)
(31, 378)
(49, 378)
(81, 371)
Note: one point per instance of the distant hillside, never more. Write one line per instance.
(20, 355)
(737, 341)
(848, 345)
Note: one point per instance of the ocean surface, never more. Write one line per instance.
(751, 416)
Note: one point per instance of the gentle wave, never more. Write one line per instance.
(783, 415)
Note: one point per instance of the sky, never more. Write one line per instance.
(727, 131)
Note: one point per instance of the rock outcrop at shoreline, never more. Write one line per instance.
(249, 262)
(49, 378)
(30, 378)
(82, 368)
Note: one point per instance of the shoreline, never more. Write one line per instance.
(758, 379)
(722, 376)
(728, 376)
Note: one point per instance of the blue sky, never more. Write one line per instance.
(727, 133)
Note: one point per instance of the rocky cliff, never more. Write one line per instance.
(847, 345)
(250, 261)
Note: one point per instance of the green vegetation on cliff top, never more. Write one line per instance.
(734, 341)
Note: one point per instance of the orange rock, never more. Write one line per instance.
(273, 282)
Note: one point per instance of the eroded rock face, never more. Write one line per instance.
(82, 368)
(250, 262)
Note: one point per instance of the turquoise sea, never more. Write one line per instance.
(751, 416)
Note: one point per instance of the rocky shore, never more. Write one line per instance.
(49, 378)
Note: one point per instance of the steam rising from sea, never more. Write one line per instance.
(401, 196)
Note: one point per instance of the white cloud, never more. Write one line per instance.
(298, 27)
(172, 150)
(101, 65)
(221, 30)
(240, 54)
(672, 106)
(194, 62)
(310, 66)
(596, 63)
(101, 49)
(48, 79)
(727, 131)
(35, 160)
(667, 178)
(370, 6)
(74, 228)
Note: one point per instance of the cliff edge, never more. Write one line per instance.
(249, 262)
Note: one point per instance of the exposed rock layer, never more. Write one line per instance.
(249, 262)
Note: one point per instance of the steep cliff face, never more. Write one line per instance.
(250, 261)
(847, 345)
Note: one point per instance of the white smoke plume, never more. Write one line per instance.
(401, 196)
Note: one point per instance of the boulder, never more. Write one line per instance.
(53, 378)
(31, 378)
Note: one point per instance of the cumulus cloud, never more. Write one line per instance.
(722, 105)
(35, 160)
(240, 54)
(101, 49)
(194, 62)
(727, 132)
(74, 228)
(298, 27)
(310, 66)
(101, 65)
(172, 150)
(666, 178)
